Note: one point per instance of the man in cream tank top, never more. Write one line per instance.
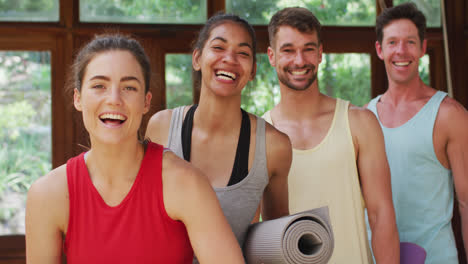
(425, 137)
(338, 150)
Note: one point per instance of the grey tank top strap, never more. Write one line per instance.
(241, 200)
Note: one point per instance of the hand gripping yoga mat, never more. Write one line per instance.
(300, 238)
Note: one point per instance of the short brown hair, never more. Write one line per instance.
(299, 18)
(403, 11)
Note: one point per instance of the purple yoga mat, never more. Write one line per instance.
(411, 253)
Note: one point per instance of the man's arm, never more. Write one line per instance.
(374, 174)
(455, 120)
(279, 156)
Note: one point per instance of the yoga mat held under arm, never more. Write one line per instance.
(301, 238)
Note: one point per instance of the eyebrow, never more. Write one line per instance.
(288, 44)
(242, 44)
(123, 79)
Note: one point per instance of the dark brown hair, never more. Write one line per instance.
(103, 43)
(403, 11)
(297, 17)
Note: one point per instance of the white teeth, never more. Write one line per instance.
(402, 63)
(298, 72)
(112, 116)
(225, 75)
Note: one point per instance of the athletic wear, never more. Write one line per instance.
(138, 230)
(241, 162)
(326, 175)
(241, 200)
(422, 188)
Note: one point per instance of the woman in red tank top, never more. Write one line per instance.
(123, 201)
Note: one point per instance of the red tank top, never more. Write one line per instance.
(138, 230)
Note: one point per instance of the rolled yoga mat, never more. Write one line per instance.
(300, 238)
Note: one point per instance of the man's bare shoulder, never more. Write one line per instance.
(450, 108)
(363, 124)
(361, 116)
(452, 114)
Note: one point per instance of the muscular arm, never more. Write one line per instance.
(279, 157)
(189, 197)
(456, 119)
(46, 213)
(374, 174)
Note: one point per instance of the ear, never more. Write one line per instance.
(195, 60)
(424, 47)
(147, 107)
(378, 49)
(77, 99)
(320, 50)
(254, 72)
(271, 56)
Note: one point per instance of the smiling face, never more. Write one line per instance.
(226, 61)
(401, 50)
(295, 56)
(112, 97)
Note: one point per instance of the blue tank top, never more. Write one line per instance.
(422, 188)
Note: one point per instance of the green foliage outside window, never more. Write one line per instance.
(178, 80)
(329, 12)
(143, 11)
(29, 10)
(25, 134)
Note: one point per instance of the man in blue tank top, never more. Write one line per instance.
(425, 139)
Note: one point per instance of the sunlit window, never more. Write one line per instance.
(178, 80)
(330, 12)
(424, 69)
(25, 134)
(143, 11)
(29, 10)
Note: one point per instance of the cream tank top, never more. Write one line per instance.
(327, 175)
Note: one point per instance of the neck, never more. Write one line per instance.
(114, 162)
(218, 114)
(408, 91)
(299, 105)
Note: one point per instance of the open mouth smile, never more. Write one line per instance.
(112, 118)
(225, 75)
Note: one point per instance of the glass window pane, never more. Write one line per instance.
(143, 11)
(424, 69)
(329, 12)
(430, 8)
(346, 76)
(29, 10)
(25, 134)
(261, 94)
(178, 80)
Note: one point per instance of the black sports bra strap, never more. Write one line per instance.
(187, 127)
(240, 169)
(241, 162)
